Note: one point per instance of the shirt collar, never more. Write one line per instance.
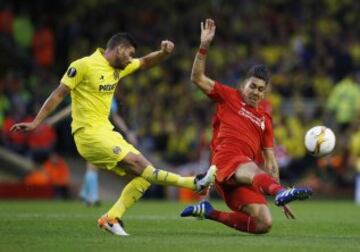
(98, 55)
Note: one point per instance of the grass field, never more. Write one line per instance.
(156, 226)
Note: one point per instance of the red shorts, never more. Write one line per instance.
(237, 197)
(227, 163)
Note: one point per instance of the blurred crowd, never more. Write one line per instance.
(311, 47)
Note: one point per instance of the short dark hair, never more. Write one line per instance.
(121, 38)
(259, 71)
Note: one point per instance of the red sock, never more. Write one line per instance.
(266, 184)
(237, 220)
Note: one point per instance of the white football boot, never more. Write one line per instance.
(204, 181)
(114, 226)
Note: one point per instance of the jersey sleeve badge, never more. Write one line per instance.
(71, 72)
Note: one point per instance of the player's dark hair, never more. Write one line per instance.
(259, 71)
(121, 38)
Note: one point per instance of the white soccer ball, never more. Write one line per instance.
(319, 141)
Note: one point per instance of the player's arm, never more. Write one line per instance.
(120, 123)
(156, 57)
(65, 112)
(49, 105)
(198, 76)
(271, 166)
(270, 163)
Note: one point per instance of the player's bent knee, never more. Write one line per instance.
(263, 225)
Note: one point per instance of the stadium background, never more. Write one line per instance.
(312, 48)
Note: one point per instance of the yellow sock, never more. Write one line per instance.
(130, 194)
(161, 177)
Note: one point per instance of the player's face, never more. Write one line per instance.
(124, 56)
(253, 91)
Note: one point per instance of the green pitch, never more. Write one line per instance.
(156, 226)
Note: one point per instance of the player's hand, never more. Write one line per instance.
(167, 46)
(207, 32)
(289, 214)
(23, 127)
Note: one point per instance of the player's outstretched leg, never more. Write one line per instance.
(285, 196)
(268, 185)
(114, 226)
(199, 184)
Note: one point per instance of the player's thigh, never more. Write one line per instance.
(104, 148)
(237, 197)
(245, 173)
(134, 163)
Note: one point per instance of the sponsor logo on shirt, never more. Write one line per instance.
(260, 122)
(107, 87)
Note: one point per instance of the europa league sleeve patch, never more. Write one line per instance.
(71, 72)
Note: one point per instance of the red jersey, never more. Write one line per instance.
(238, 127)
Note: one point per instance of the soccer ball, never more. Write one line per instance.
(319, 141)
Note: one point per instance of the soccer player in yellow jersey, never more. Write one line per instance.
(91, 81)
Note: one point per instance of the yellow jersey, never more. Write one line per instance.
(93, 81)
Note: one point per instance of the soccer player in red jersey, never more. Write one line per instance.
(241, 131)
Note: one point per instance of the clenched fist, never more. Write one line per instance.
(167, 46)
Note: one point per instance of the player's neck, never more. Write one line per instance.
(108, 56)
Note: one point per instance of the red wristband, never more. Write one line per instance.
(202, 51)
